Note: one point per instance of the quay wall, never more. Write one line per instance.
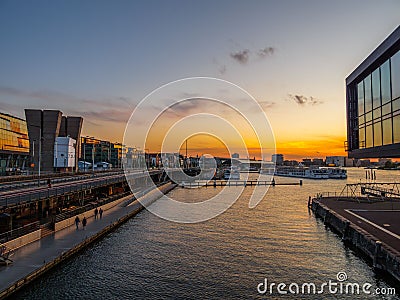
(148, 199)
(383, 257)
(23, 240)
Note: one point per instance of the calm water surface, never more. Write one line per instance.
(224, 258)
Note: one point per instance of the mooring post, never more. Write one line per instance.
(301, 182)
(309, 201)
(345, 232)
(378, 245)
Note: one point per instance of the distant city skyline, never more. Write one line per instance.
(98, 59)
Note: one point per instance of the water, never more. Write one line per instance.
(224, 258)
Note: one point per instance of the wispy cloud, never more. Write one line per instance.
(303, 100)
(241, 56)
(267, 51)
(221, 67)
(113, 109)
(245, 55)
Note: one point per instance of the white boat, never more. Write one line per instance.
(233, 174)
(302, 172)
(336, 173)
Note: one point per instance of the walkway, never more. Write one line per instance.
(34, 255)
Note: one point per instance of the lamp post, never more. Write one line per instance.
(40, 150)
(56, 154)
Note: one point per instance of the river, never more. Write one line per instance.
(224, 258)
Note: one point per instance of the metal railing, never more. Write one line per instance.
(72, 213)
(18, 232)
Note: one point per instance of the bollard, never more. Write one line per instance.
(378, 245)
(301, 182)
(345, 232)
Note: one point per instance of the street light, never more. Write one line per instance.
(40, 150)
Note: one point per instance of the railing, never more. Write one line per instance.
(88, 207)
(18, 232)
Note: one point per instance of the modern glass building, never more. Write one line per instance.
(95, 150)
(373, 103)
(14, 144)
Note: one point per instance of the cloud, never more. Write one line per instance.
(303, 100)
(114, 109)
(245, 55)
(241, 56)
(221, 67)
(267, 51)
(266, 104)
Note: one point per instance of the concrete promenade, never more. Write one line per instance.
(32, 260)
(371, 227)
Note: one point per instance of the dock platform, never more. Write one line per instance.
(373, 227)
(215, 183)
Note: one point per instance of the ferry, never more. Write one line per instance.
(335, 173)
(302, 172)
(233, 174)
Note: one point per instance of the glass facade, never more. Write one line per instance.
(378, 104)
(13, 134)
(14, 144)
(96, 150)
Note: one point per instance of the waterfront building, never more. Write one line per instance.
(338, 161)
(64, 153)
(14, 144)
(277, 159)
(44, 127)
(373, 103)
(96, 151)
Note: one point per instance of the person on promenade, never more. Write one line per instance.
(96, 211)
(84, 222)
(101, 213)
(77, 221)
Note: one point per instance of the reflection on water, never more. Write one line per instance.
(224, 258)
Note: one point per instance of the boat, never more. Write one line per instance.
(302, 172)
(336, 173)
(231, 174)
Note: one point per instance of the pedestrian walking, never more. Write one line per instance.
(101, 213)
(96, 212)
(84, 222)
(77, 221)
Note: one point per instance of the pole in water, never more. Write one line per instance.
(301, 182)
(309, 201)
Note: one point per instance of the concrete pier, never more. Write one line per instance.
(373, 228)
(38, 257)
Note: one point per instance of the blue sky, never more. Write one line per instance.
(98, 58)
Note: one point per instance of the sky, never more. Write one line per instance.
(98, 59)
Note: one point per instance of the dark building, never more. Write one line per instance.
(14, 144)
(373, 103)
(96, 151)
(44, 126)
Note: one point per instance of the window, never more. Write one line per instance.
(368, 93)
(369, 142)
(360, 92)
(386, 109)
(376, 89)
(396, 105)
(387, 131)
(378, 134)
(385, 82)
(361, 138)
(395, 69)
(396, 129)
